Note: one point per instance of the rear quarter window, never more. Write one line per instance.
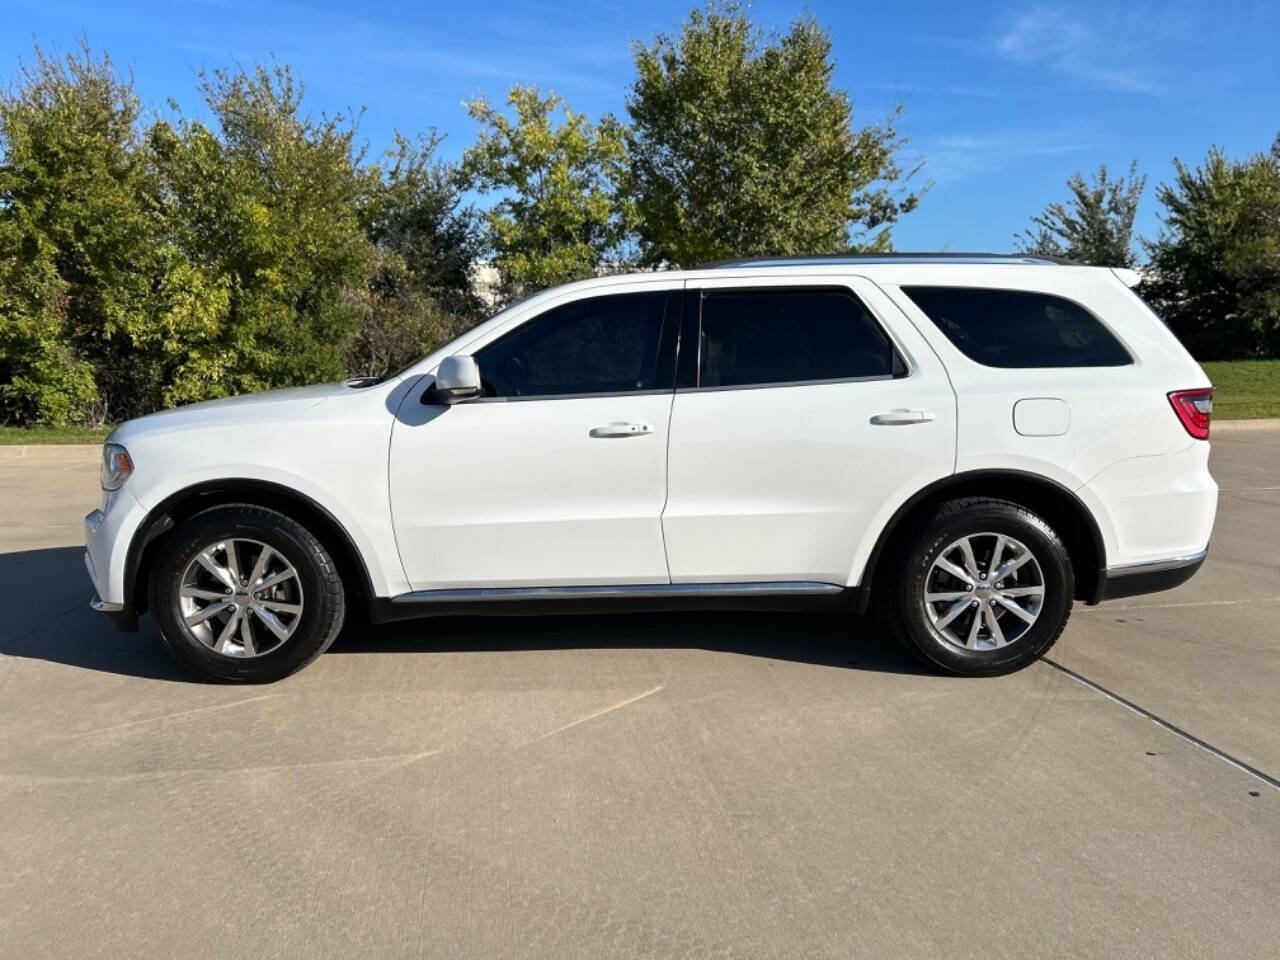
(1019, 328)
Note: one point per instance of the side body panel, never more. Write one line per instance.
(533, 491)
(331, 449)
(793, 482)
(508, 494)
(1107, 433)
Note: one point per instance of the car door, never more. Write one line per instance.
(812, 411)
(557, 475)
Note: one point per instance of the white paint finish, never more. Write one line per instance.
(106, 540)
(786, 483)
(327, 442)
(1041, 417)
(520, 494)
(1161, 506)
(1116, 412)
(764, 483)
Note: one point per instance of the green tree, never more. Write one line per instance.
(1215, 268)
(415, 209)
(740, 146)
(77, 232)
(419, 290)
(1095, 226)
(265, 213)
(558, 216)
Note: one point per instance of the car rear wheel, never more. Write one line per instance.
(245, 594)
(984, 587)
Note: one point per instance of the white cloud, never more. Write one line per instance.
(1107, 52)
(951, 158)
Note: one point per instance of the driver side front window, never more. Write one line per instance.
(604, 344)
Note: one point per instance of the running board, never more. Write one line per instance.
(657, 591)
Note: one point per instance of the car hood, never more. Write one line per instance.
(271, 404)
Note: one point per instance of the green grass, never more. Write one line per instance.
(1246, 389)
(17, 436)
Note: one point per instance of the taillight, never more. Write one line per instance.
(1194, 408)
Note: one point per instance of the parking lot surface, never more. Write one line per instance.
(659, 786)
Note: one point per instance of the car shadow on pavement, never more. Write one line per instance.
(48, 618)
(822, 639)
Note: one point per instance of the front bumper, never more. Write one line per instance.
(1139, 578)
(119, 615)
(107, 534)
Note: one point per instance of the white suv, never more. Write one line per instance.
(966, 443)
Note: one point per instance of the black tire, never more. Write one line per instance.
(317, 625)
(901, 597)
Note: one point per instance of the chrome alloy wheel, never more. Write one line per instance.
(983, 592)
(240, 598)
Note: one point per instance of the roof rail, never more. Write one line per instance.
(818, 259)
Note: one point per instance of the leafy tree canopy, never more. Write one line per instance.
(264, 211)
(76, 232)
(557, 216)
(740, 146)
(1094, 226)
(1215, 268)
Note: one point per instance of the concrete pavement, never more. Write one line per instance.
(710, 785)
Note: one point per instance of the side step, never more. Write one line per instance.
(622, 598)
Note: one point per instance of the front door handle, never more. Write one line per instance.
(620, 428)
(903, 417)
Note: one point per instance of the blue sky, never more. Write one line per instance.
(1004, 100)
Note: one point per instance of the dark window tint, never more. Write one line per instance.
(600, 345)
(790, 336)
(1016, 328)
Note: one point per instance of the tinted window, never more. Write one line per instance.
(1016, 328)
(600, 345)
(788, 336)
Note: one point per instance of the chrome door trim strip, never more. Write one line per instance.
(1155, 566)
(771, 588)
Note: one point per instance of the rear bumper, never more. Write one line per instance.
(1152, 508)
(1138, 578)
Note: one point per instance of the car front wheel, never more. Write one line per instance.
(245, 594)
(983, 588)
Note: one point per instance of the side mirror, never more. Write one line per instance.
(457, 379)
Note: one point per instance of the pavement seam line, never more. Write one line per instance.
(1177, 731)
(16, 641)
(170, 716)
(1168, 606)
(601, 712)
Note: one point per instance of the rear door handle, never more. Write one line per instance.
(903, 417)
(620, 428)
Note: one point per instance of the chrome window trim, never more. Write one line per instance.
(666, 391)
(791, 383)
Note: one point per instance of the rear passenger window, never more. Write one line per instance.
(1019, 328)
(789, 336)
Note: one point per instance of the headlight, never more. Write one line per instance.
(116, 466)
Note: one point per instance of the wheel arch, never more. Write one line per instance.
(185, 503)
(1060, 507)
